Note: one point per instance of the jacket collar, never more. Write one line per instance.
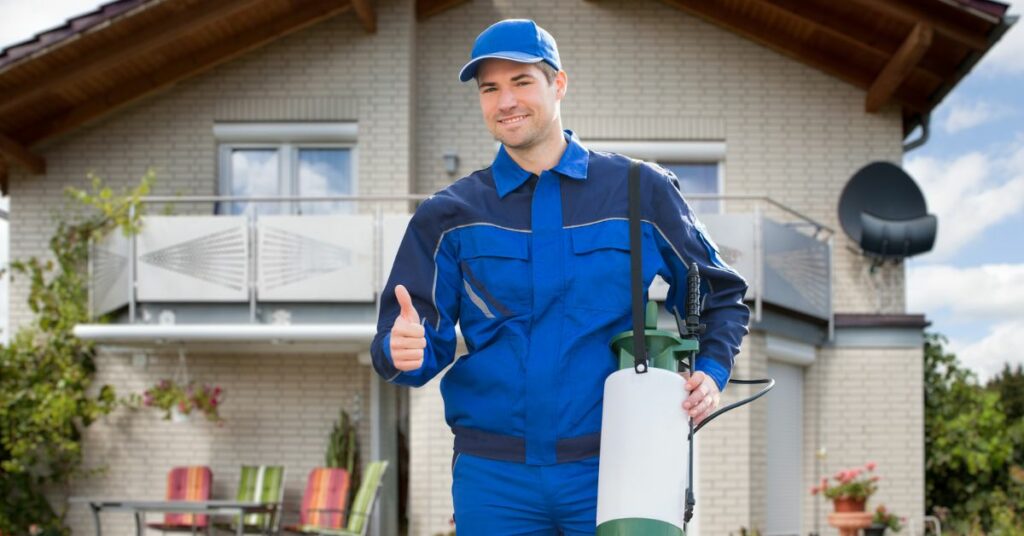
(508, 175)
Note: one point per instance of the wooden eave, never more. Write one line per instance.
(907, 52)
(911, 52)
(124, 50)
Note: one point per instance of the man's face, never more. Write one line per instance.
(519, 106)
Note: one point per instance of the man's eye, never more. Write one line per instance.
(487, 90)
(523, 83)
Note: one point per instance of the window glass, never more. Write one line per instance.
(324, 172)
(697, 178)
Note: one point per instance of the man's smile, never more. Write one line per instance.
(512, 120)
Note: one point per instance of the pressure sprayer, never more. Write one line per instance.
(645, 487)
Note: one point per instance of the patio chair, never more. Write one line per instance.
(363, 503)
(259, 483)
(186, 484)
(324, 502)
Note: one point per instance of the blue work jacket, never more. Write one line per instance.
(536, 272)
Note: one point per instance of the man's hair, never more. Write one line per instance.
(549, 72)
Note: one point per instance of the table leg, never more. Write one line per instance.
(138, 523)
(241, 525)
(96, 518)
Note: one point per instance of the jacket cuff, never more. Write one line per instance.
(714, 369)
(387, 365)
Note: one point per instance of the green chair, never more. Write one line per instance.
(265, 484)
(363, 503)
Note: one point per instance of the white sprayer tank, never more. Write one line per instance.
(642, 479)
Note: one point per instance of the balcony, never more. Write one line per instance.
(313, 278)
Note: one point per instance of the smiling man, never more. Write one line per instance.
(530, 257)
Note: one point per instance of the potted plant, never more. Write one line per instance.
(882, 520)
(852, 488)
(177, 401)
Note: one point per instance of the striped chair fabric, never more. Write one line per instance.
(324, 502)
(187, 484)
(261, 483)
(362, 504)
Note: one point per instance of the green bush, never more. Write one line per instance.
(46, 395)
(973, 477)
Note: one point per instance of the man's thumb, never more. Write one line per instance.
(405, 302)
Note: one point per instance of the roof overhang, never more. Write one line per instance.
(124, 50)
(908, 52)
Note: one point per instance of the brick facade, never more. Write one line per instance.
(637, 71)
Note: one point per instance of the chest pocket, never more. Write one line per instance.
(495, 265)
(599, 267)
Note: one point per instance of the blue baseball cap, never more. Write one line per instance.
(516, 40)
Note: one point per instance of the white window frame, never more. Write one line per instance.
(671, 152)
(287, 138)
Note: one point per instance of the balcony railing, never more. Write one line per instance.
(266, 260)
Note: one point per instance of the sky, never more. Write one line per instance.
(971, 286)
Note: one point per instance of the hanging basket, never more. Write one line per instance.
(178, 417)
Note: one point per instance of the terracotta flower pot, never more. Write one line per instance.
(848, 504)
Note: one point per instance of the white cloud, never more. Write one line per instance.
(963, 116)
(1003, 344)
(969, 193)
(991, 291)
(1005, 57)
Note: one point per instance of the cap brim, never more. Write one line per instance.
(469, 71)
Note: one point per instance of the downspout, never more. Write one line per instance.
(926, 120)
(962, 70)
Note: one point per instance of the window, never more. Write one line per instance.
(698, 165)
(698, 178)
(286, 159)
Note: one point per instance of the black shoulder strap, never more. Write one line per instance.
(636, 271)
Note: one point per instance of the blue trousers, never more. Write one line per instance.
(499, 498)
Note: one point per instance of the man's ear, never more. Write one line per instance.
(561, 84)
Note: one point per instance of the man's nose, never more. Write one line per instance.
(507, 100)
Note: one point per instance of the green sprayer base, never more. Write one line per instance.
(636, 526)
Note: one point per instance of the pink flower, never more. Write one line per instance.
(814, 490)
(876, 478)
(871, 466)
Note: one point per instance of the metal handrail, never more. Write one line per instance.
(420, 197)
(819, 228)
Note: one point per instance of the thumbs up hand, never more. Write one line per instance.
(408, 338)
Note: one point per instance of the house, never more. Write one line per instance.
(764, 108)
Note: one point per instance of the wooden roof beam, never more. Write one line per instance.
(167, 31)
(366, 14)
(914, 15)
(719, 15)
(295, 20)
(866, 39)
(17, 153)
(428, 8)
(5, 180)
(899, 67)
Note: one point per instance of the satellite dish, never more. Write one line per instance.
(884, 211)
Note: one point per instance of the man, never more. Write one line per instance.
(531, 257)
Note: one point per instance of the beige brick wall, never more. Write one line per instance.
(279, 408)
(866, 404)
(638, 70)
(331, 71)
(644, 70)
